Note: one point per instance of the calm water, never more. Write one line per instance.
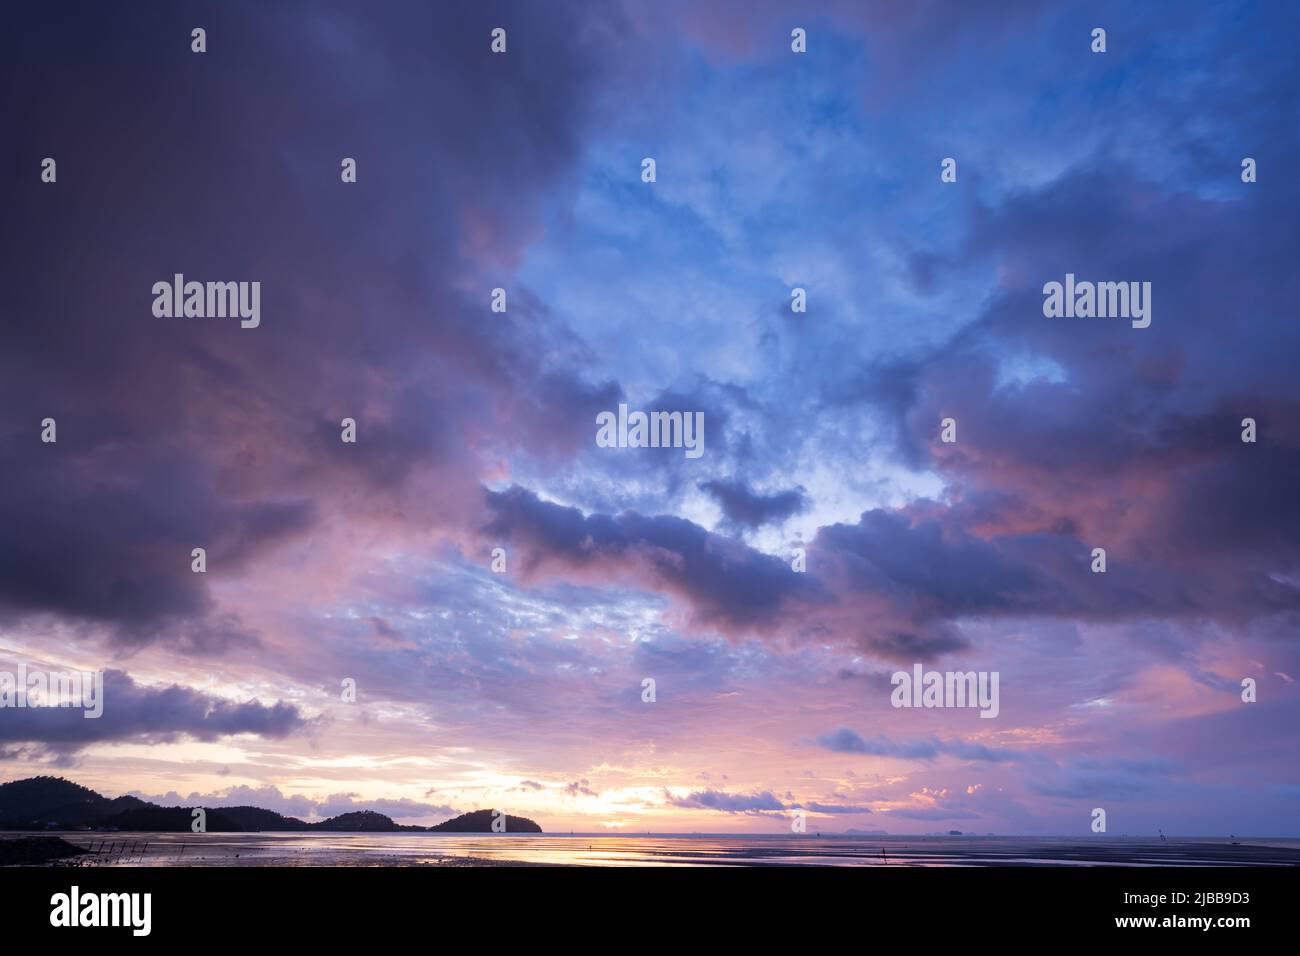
(425, 849)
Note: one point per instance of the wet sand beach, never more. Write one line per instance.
(423, 849)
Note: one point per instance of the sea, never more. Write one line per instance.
(510, 849)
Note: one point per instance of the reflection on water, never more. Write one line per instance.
(426, 849)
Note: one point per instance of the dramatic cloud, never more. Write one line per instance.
(749, 509)
(135, 712)
(726, 583)
(844, 740)
(521, 681)
(728, 802)
(182, 433)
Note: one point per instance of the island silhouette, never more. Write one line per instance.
(53, 803)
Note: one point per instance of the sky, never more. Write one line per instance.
(826, 538)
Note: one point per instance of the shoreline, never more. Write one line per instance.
(292, 850)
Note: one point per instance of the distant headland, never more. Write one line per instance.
(52, 803)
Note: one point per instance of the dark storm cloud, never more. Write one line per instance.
(912, 574)
(847, 741)
(107, 539)
(750, 509)
(895, 584)
(728, 802)
(1109, 778)
(875, 680)
(816, 807)
(181, 433)
(1133, 400)
(134, 712)
(937, 640)
(1077, 433)
(619, 479)
(725, 582)
(756, 803)
(925, 563)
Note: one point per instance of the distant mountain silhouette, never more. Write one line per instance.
(44, 803)
(253, 819)
(480, 821)
(361, 821)
(170, 820)
(39, 801)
